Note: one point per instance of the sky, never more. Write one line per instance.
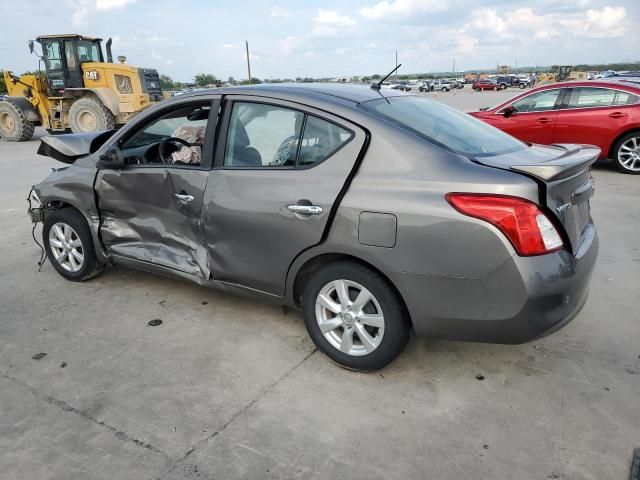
(330, 38)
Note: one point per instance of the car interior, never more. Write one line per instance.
(176, 138)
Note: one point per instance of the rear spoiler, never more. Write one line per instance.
(574, 160)
(68, 148)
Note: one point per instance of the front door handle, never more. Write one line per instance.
(544, 120)
(305, 209)
(184, 198)
(617, 115)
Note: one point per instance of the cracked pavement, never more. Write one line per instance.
(227, 388)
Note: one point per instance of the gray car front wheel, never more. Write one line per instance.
(69, 245)
(354, 316)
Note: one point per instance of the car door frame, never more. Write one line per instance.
(207, 156)
(555, 109)
(359, 134)
(620, 130)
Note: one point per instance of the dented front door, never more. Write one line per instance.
(150, 210)
(148, 214)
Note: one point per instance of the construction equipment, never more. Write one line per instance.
(564, 72)
(80, 91)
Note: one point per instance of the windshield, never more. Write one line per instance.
(445, 126)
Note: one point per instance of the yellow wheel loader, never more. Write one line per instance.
(80, 91)
(564, 72)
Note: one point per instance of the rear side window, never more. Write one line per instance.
(320, 140)
(443, 125)
(270, 136)
(624, 98)
(537, 102)
(591, 97)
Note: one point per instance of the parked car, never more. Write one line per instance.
(484, 84)
(374, 211)
(443, 85)
(404, 87)
(605, 113)
(426, 86)
(456, 83)
(505, 81)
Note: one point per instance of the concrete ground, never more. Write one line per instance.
(226, 388)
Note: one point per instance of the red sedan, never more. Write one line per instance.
(604, 113)
(484, 84)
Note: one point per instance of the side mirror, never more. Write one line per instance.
(112, 159)
(508, 111)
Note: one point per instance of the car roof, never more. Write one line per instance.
(348, 92)
(629, 82)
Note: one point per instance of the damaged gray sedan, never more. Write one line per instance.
(376, 212)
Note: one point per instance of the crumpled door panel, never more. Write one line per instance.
(142, 219)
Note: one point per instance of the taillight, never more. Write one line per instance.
(527, 228)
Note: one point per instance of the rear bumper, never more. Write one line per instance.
(524, 299)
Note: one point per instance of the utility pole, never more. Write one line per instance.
(246, 43)
(454, 66)
(396, 65)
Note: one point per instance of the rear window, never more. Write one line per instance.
(445, 126)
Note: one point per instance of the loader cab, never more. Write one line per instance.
(63, 57)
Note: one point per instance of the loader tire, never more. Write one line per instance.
(14, 126)
(88, 114)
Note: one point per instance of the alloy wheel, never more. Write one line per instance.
(629, 154)
(66, 247)
(349, 317)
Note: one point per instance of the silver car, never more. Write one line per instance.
(375, 212)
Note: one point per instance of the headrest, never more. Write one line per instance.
(241, 137)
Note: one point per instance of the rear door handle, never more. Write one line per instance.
(305, 209)
(617, 115)
(184, 198)
(544, 120)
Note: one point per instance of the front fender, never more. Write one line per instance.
(73, 186)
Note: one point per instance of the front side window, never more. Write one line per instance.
(176, 138)
(70, 54)
(271, 136)
(445, 126)
(591, 97)
(52, 54)
(537, 102)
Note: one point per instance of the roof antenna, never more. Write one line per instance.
(376, 86)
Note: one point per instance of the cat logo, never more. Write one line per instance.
(92, 75)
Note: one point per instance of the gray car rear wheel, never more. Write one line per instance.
(354, 316)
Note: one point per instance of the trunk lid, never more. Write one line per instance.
(563, 172)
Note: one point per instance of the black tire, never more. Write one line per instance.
(522, 85)
(14, 126)
(396, 322)
(88, 114)
(618, 148)
(70, 216)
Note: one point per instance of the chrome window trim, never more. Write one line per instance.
(532, 93)
(576, 108)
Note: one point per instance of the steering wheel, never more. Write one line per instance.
(162, 149)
